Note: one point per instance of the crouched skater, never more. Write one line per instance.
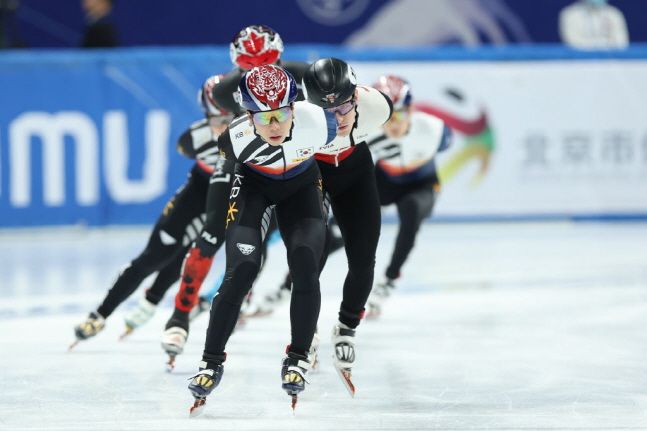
(273, 143)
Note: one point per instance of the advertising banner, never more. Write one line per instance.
(535, 139)
(89, 138)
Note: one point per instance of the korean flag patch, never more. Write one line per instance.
(305, 152)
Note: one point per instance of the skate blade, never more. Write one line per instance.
(197, 409)
(129, 330)
(344, 375)
(73, 344)
(292, 393)
(170, 365)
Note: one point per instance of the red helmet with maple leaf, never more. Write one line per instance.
(256, 45)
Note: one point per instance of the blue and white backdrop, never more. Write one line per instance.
(543, 132)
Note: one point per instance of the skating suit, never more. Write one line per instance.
(406, 176)
(286, 177)
(177, 226)
(347, 171)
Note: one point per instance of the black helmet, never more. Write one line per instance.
(329, 82)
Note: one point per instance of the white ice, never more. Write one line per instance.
(520, 326)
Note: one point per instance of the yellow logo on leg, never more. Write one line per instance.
(169, 206)
(230, 213)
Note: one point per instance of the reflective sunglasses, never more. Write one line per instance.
(342, 109)
(264, 118)
(399, 115)
(218, 120)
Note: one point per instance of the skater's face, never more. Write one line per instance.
(345, 113)
(398, 124)
(273, 126)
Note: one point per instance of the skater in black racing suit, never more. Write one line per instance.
(273, 145)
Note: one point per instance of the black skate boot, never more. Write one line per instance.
(205, 381)
(89, 327)
(293, 374)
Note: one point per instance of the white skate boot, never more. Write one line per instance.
(343, 341)
(139, 315)
(173, 341)
(380, 293)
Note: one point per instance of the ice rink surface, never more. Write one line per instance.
(494, 326)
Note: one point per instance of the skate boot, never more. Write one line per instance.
(89, 328)
(202, 306)
(267, 305)
(138, 315)
(379, 295)
(204, 382)
(343, 341)
(173, 341)
(175, 335)
(293, 375)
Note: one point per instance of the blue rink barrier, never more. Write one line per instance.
(88, 137)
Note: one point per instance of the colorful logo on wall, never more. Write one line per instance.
(467, 119)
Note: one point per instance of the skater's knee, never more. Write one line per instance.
(362, 269)
(310, 233)
(413, 210)
(304, 267)
(245, 272)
